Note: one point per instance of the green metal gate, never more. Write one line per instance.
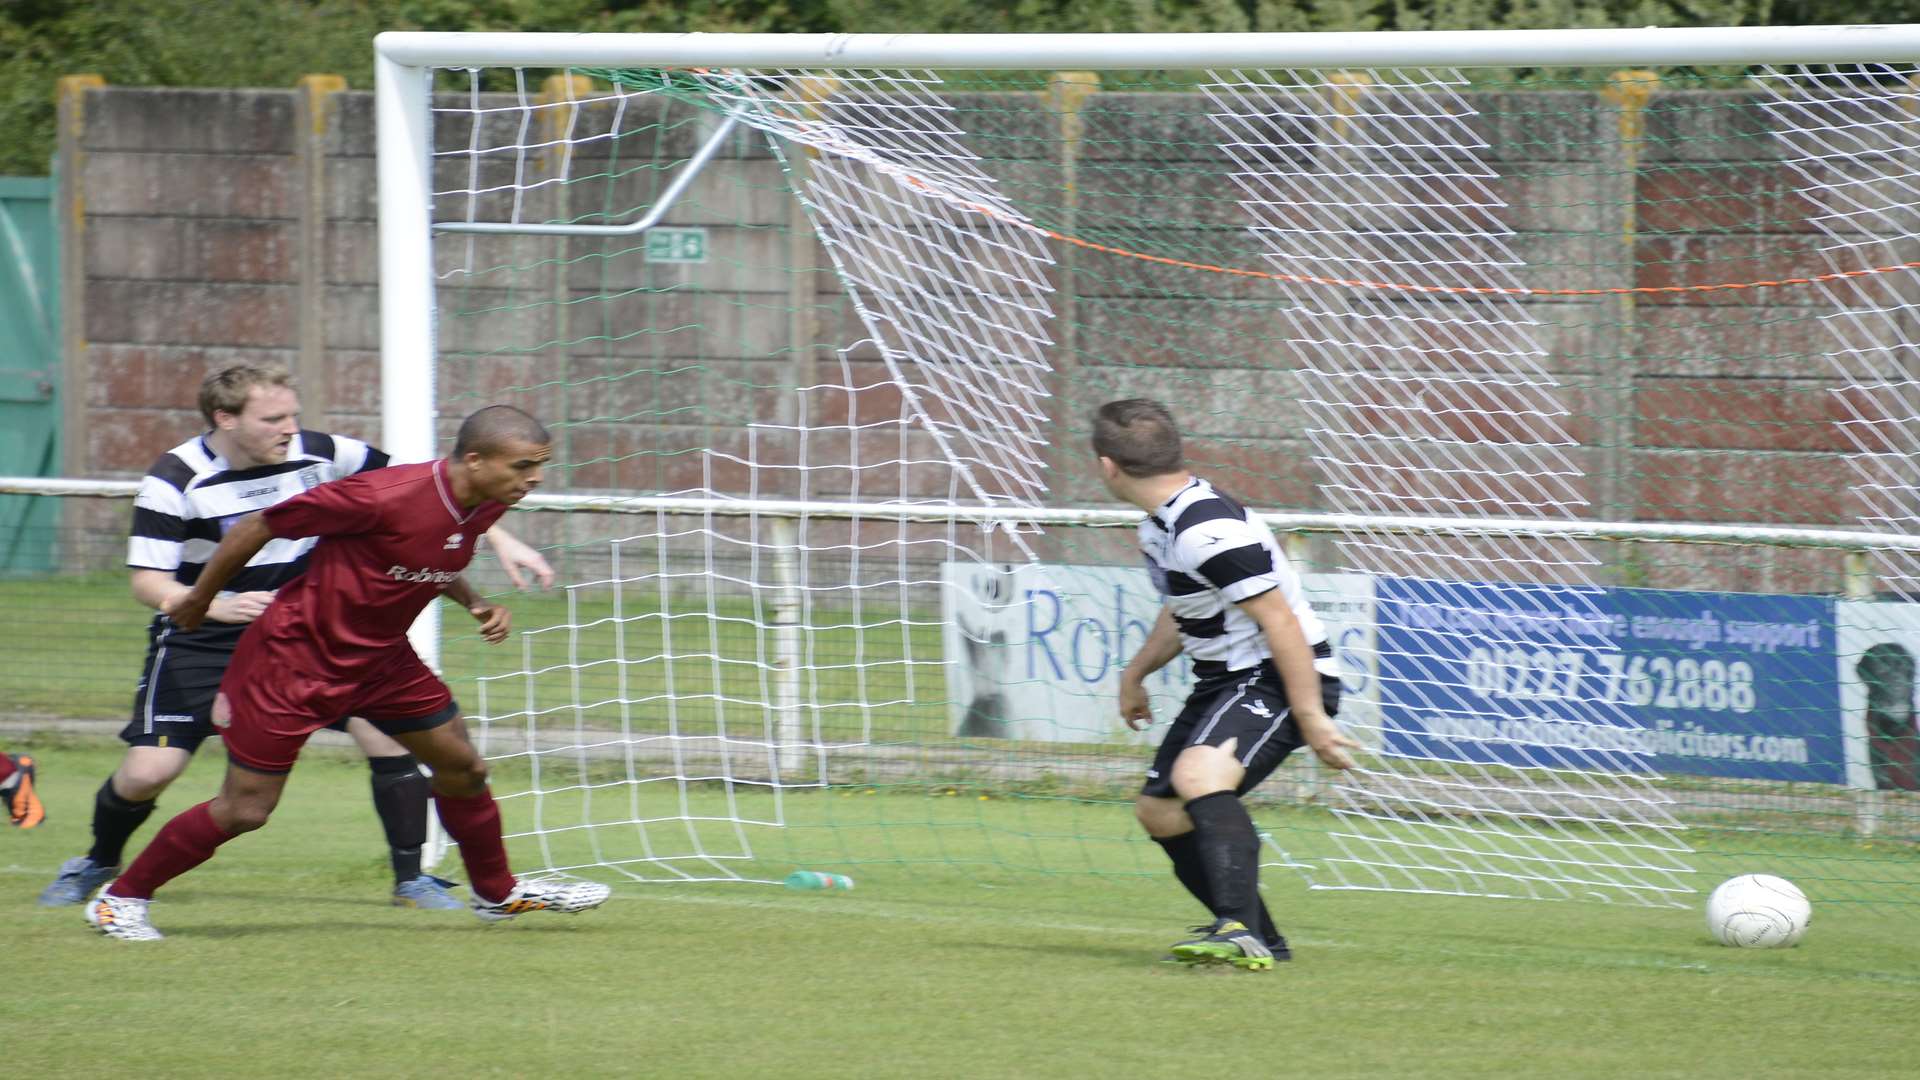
(29, 368)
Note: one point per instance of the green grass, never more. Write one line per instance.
(283, 960)
(74, 645)
(721, 662)
(83, 663)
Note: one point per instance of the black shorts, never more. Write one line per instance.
(173, 703)
(1248, 705)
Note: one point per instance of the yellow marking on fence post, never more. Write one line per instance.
(70, 212)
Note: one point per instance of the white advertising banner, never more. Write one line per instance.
(1875, 646)
(1035, 652)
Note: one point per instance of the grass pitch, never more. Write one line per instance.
(284, 960)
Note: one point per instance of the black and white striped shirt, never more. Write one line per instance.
(191, 496)
(1206, 555)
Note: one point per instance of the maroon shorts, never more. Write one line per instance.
(278, 695)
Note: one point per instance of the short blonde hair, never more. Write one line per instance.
(227, 390)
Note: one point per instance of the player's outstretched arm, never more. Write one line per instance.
(155, 587)
(1162, 645)
(242, 542)
(1293, 657)
(495, 621)
(519, 558)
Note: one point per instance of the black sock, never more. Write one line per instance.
(114, 821)
(401, 793)
(1230, 854)
(1269, 933)
(1184, 850)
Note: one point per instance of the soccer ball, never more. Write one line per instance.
(1758, 911)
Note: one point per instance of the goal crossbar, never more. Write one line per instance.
(1094, 52)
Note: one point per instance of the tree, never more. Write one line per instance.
(274, 42)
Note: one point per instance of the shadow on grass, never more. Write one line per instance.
(457, 925)
(1119, 956)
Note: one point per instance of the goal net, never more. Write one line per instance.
(1582, 390)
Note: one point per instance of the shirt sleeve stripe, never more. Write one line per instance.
(157, 494)
(146, 553)
(1195, 546)
(1179, 584)
(171, 471)
(1216, 509)
(1235, 565)
(319, 444)
(1211, 626)
(1250, 588)
(156, 525)
(349, 454)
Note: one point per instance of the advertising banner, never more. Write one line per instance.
(1687, 683)
(1875, 646)
(1713, 684)
(1518, 675)
(1733, 684)
(1035, 652)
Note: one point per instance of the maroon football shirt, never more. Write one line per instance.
(391, 540)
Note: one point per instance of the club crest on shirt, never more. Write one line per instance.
(454, 541)
(311, 477)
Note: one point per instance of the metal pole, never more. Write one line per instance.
(405, 167)
(787, 656)
(1279, 521)
(1644, 47)
(1868, 802)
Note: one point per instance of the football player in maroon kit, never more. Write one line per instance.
(23, 805)
(334, 643)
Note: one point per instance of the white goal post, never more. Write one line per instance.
(916, 288)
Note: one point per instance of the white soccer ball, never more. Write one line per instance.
(1758, 911)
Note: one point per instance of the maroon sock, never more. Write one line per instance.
(6, 768)
(474, 823)
(181, 844)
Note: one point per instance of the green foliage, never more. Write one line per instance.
(274, 42)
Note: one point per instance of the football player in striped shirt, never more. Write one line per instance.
(1265, 683)
(253, 455)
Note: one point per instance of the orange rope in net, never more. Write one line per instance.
(1355, 283)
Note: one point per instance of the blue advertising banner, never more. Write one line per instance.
(1713, 684)
(1733, 684)
(1499, 673)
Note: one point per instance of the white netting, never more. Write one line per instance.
(959, 312)
(1848, 135)
(907, 292)
(1439, 403)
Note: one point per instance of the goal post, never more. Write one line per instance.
(403, 171)
(1532, 329)
(1568, 48)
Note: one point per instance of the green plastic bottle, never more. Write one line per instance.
(817, 880)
